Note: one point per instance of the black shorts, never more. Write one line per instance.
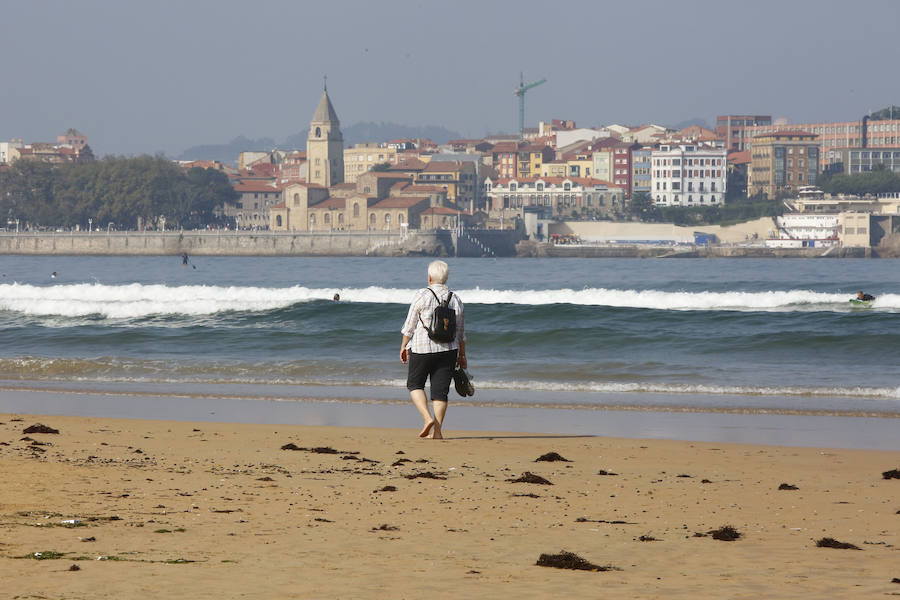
(438, 366)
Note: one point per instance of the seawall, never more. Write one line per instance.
(663, 251)
(228, 243)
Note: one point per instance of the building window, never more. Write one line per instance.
(318, 132)
(296, 199)
(327, 219)
(355, 209)
(278, 220)
(387, 218)
(372, 219)
(340, 218)
(312, 219)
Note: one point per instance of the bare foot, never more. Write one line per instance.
(426, 429)
(437, 433)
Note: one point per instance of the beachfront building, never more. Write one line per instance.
(257, 197)
(782, 161)
(688, 175)
(565, 197)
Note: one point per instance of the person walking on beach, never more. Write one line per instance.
(430, 359)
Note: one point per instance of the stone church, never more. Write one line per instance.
(377, 201)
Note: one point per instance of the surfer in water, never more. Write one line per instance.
(864, 297)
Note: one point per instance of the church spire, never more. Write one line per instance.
(325, 113)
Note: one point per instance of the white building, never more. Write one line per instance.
(806, 231)
(688, 175)
(8, 151)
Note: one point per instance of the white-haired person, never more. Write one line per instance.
(431, 359)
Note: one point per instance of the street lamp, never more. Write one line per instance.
(109, 226)
(17, 226)
(90, 224)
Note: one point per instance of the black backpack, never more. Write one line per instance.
(443, 321)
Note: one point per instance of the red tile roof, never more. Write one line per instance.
(442, 210)
(330, 202)
(739, 158)
(255, 185)
(443, 166)
(398, 202)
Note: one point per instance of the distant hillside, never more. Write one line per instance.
(354, 134)
(688, 122)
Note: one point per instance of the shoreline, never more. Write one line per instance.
(119, 508)
(763, 427)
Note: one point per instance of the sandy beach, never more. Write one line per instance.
(143, 509)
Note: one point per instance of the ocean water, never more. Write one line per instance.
(741, 335)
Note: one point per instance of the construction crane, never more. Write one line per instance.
(520, 92)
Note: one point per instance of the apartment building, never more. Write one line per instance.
(363, 157)
(641, 167)
(735, 129)
(863, 160)
(781, 161)
(842, 134)
(688, 175)
(457, 178)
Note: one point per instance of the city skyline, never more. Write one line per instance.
(160, 78)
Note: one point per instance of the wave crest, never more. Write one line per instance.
(134, 301)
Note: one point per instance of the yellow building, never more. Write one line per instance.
(456, 177)
(782, 161)
(531, 158)
(361, 158)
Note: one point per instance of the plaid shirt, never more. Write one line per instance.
(423, 306)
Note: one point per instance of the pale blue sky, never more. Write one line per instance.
(161, 76)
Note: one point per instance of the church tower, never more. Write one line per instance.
(325, 146)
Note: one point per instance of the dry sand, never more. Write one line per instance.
(152, 509)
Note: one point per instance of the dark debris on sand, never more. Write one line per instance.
(605, 472)
(385, 527)
(892, 474)
(316, 450)
(787, 486)
(387, 488)
(895, 580)
(725, 534)
(833, 543)
(40, 428)
(551, 457)
(570, 560)
(529, 477)
(426, 475)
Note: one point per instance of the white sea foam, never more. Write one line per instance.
(137, 300)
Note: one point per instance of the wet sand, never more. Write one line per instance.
(209, 510)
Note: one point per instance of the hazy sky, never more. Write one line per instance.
(161, 76)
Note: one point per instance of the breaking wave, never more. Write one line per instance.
(135, 301)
